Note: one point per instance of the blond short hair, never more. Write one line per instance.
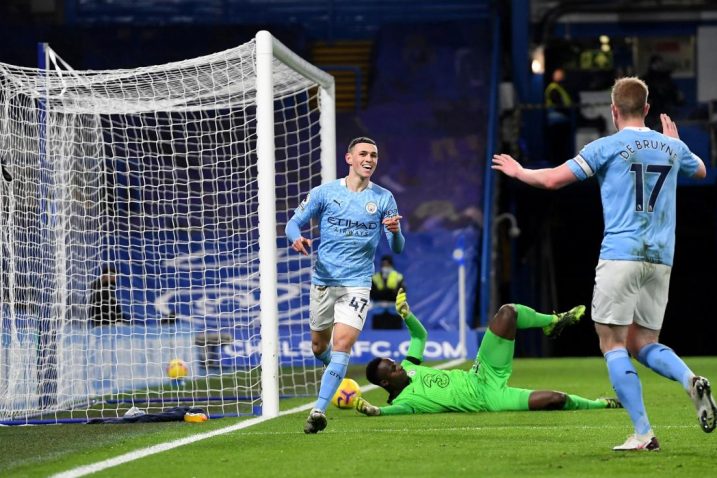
(629, 95)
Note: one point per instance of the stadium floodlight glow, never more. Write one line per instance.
(537, 64)
(180, 174)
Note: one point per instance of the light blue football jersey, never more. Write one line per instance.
(349, 227)
(637, 171)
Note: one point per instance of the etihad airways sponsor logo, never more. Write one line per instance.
(351, 224)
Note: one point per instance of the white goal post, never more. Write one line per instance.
(141, 221)
(268, 48)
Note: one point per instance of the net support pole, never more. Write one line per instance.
(267, 226)
(486, 286)
(462, 310)
(327, 97)
(327, 122)
(46, 356)
(459, 256)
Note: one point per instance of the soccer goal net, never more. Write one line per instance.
(142, 255)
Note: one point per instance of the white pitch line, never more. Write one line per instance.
(154, 449)
(486, 428)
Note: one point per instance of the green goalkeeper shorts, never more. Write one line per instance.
(496, 365)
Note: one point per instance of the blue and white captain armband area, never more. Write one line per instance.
(584, 166)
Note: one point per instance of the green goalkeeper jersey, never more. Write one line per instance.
(432, 390)
(436, 391)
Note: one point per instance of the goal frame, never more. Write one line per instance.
(267, 49)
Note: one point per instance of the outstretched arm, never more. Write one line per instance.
(547, 178)
(363, 406)
(415, 328)
(415, 354)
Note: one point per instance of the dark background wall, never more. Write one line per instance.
(555, 257)
(569, 224)
(551, 265)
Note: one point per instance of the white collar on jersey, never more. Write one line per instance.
(343, 183)
(637, 128)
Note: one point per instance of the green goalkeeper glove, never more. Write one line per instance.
(362, 406)
(402, 304)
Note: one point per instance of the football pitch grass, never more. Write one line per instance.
(570, 444)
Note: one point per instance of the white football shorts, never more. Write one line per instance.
(630, 291)
(346, 305)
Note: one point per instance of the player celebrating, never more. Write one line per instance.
(351, 212)
(637, 171)
(414, 388)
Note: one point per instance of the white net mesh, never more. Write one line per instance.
(153, 171)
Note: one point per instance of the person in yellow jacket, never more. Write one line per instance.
(556, 96)
(563, 116)
(385, 285)
(560, 116)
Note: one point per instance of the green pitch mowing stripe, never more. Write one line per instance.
(152, 450)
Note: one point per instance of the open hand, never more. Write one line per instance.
(506, 164)
(669, 127)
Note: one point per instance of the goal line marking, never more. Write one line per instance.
(154, 449)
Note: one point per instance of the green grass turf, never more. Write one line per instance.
(570, 444)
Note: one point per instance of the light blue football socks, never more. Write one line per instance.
(628, 388)
(330, 381)
(664, 360)
(325, 356)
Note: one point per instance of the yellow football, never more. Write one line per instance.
(347, 394)
(177, 369)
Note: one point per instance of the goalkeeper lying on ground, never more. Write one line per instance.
(413, 388)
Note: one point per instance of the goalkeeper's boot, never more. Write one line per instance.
(611, 402)
(647, 442)
(316, 421)
(701, 394)
(563, 320)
